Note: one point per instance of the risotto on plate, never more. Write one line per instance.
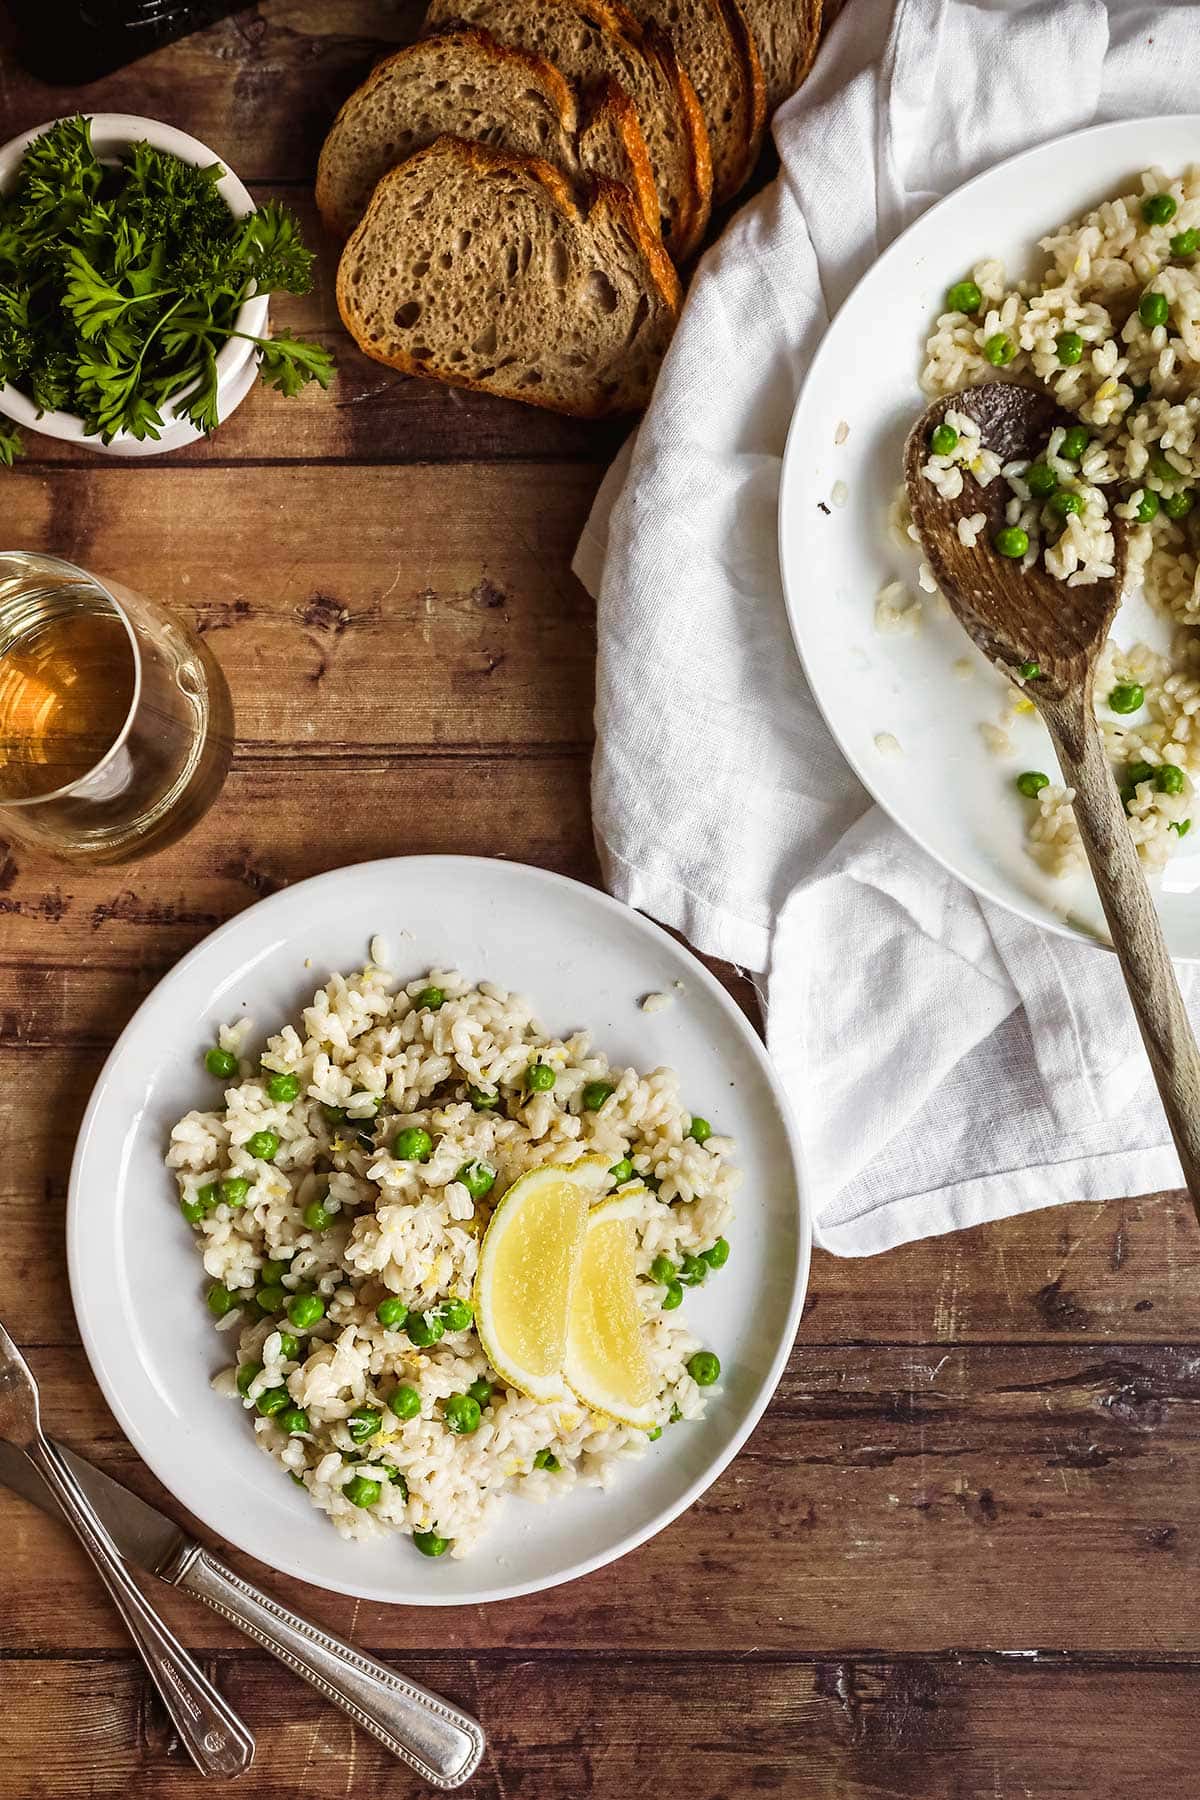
(1110, 325)
(339, 1187)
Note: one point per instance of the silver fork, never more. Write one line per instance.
(216, 1739)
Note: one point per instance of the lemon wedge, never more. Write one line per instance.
(606, 1364)
(528, 1264)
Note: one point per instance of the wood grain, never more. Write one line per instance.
(861, 1728)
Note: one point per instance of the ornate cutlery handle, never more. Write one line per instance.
(216, 1739)
(433, 1737)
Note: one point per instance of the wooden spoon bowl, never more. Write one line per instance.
(1017, 616)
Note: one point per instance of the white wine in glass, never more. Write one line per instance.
(116, 727)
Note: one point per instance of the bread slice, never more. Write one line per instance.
(477, 266)
(465, 84)
(717, 48)
(596, 41)
(787, 33)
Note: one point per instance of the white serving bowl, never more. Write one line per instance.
(237, 362)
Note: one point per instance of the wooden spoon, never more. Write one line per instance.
(1032, 616)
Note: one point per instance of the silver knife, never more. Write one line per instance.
(432, 1736)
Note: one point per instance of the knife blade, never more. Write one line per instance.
(443, 1743)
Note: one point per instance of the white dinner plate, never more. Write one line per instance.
(944, 788)
(137, 1280)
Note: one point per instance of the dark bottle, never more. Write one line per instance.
(70, 42)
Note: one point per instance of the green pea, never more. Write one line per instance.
(482, 1100)
(273, 1270)
(1012, 541)
(1185, 243)
(271, 1299)
(222, 1063)
(424, 1329)
(1158, 209)
(699, 1131)
(363, 1423)
(999, 350)
(289, 1347)
(546, 1459)
(1040, 480)
(233, 1190)
(663, 1269)
(430, 998)
(539, 1078)
(673, 1297)
(1070, 348)
(1138, 772)
(1064, 504)
(389, 1472)
(1181, 826)
(430, 1544)
(273, 1400)
(481, 1392)
(964, 297)
(596, 1093)
(1148, 506)
(361, 1492)
(456, 1314)
(1162, 466)
(264, 1145)
(1153, 309)
(1126, 697)
(654, 1435)
(194, 1210)
(622, 1171)
(333, 1115)
(391, 1312)
(246, 1375)
(294, 1420)
(317, 1217)
(717, 1255)
(943, 439)
(405, 1402)
(1178, 506)
(1168, 779)
(413, 1144)
(283, 1087)
(462, 1414)
(704, 1367)
(478, 1177)
(1075, 441)
(221, 1301)
(304, 1310)
(1031, 783)
(1030, 671)
(692, 1270)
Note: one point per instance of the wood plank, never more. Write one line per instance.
(358, 609)
(1023, 1498)
(901, 1728)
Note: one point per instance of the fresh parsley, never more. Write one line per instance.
(119, 286)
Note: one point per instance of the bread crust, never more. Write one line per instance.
(756, 92)
(610, 196)
(807, 37)
(401, 64)
(612, 106)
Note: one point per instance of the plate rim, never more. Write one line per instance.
(1108, 128)
(665, 1516)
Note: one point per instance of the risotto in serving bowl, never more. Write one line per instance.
(292, 1171)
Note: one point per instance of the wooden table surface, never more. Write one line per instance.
(959, 1555)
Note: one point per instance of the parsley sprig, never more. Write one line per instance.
(118, 287)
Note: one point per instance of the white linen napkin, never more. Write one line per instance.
(947, 1062)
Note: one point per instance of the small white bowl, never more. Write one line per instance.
(237, 361)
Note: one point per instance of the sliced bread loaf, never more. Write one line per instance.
(477, 266)
(716, 47)
(595, 41)
(787, 33)
(464, 83)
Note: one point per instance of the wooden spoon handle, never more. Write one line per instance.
(1133, 921)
